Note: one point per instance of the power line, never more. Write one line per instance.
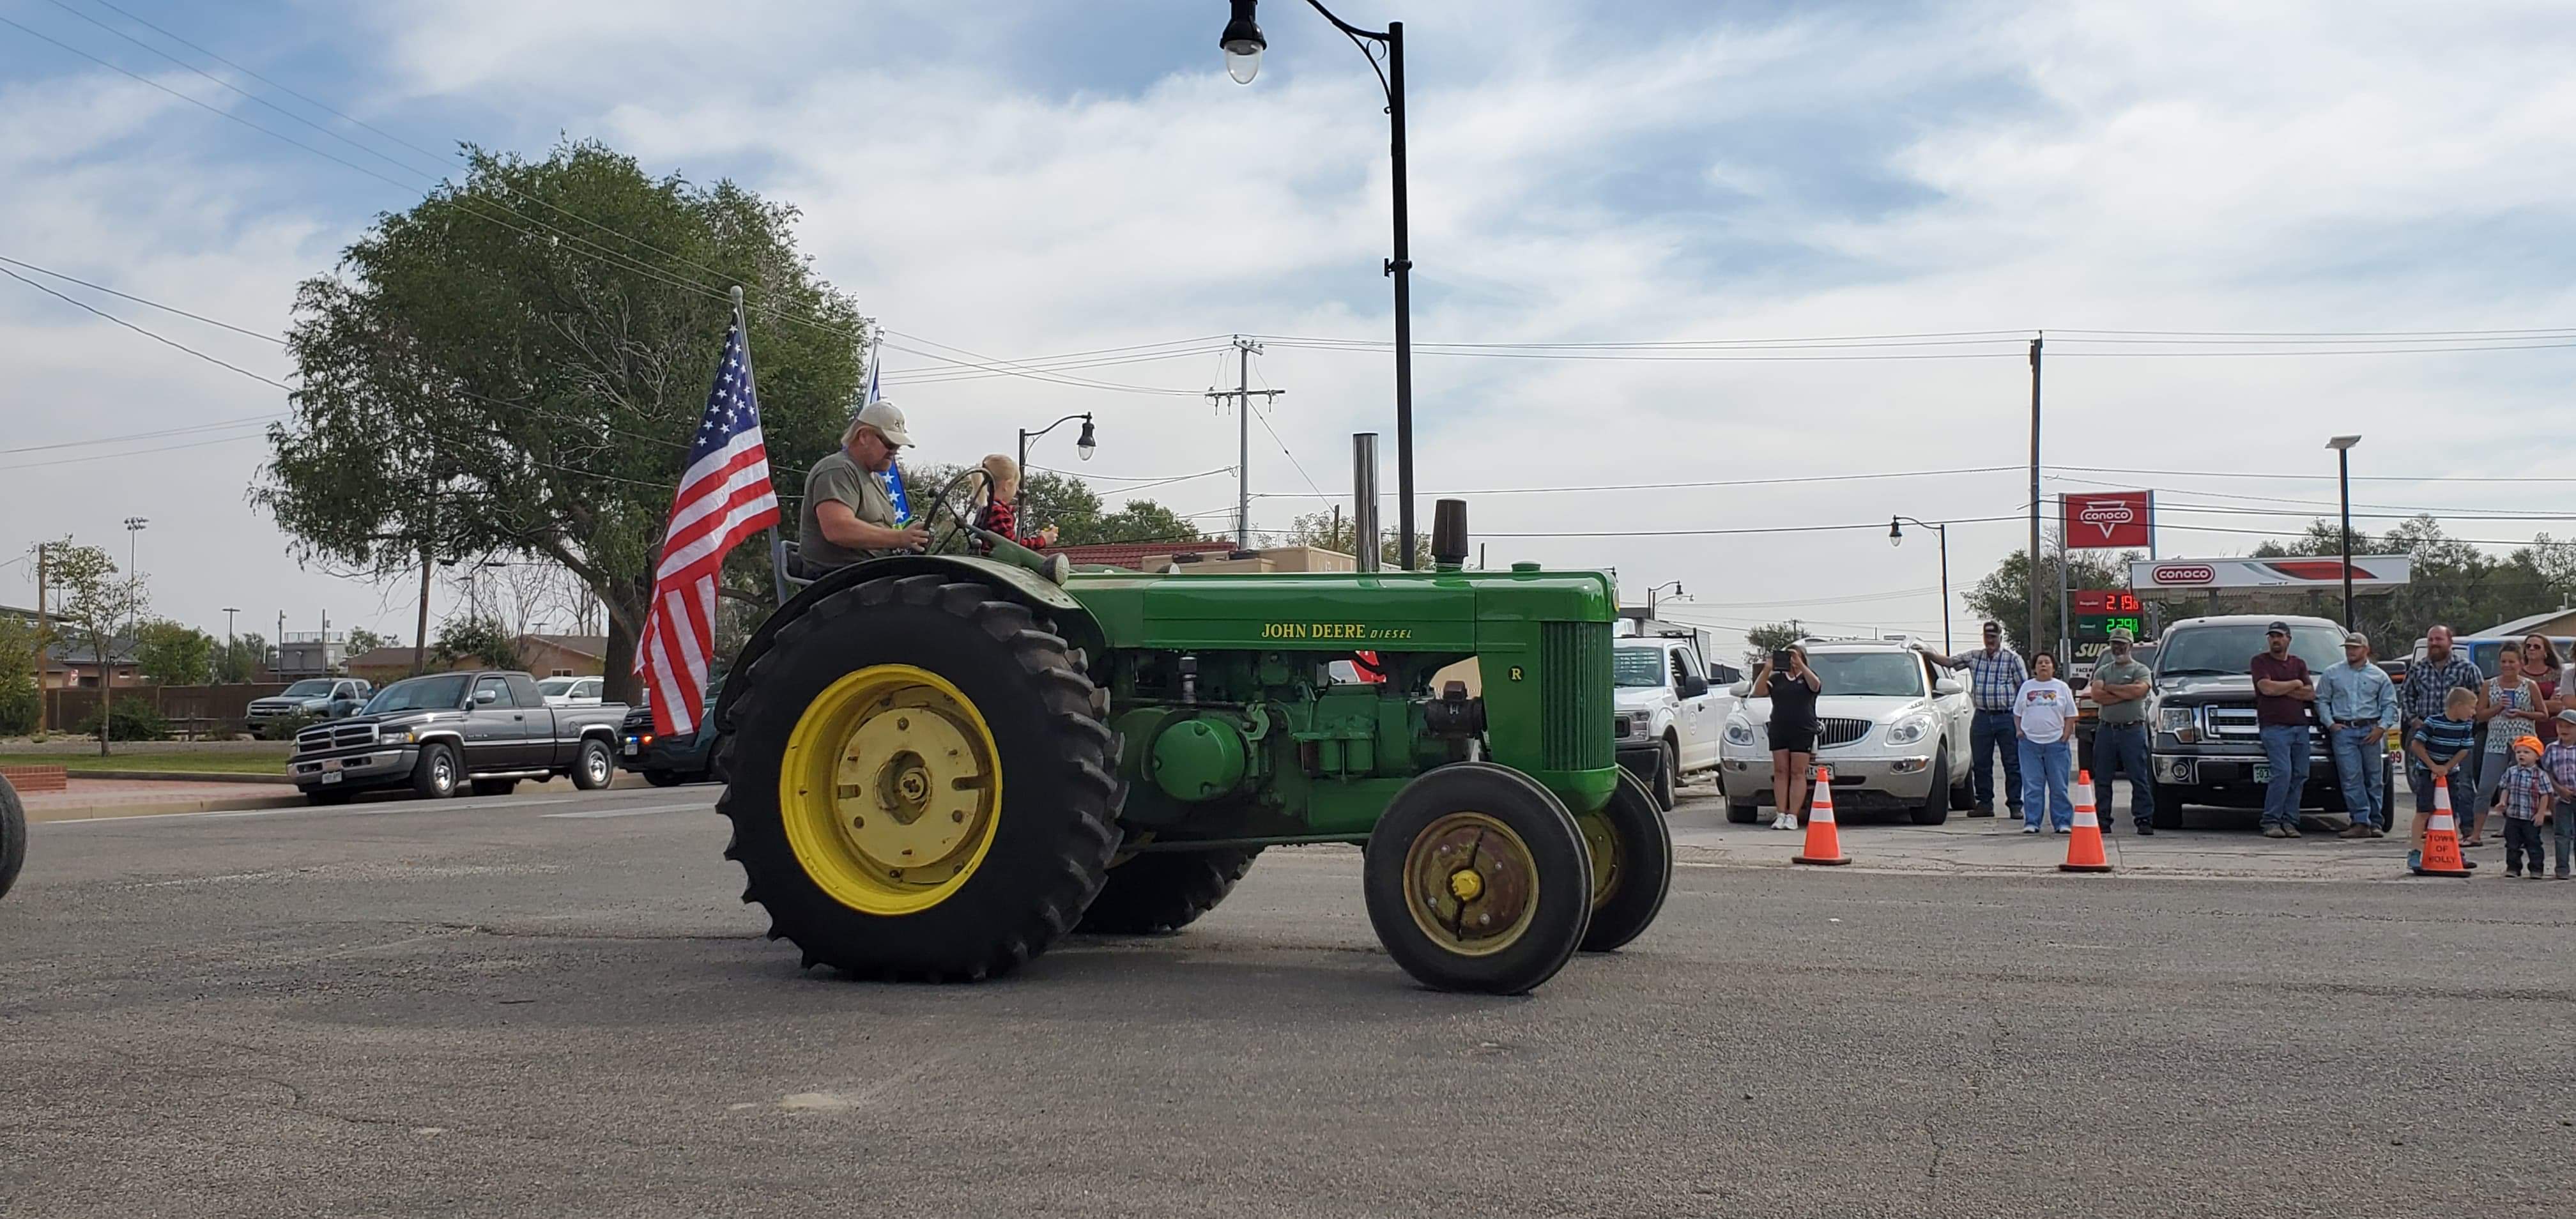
(141, 331)
(1675, 486)
(1679, 533)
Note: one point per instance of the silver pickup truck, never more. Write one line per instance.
(437, 733)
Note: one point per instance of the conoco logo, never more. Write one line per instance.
(2183, 573)
(2107, 516)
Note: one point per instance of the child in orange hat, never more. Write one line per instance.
(2523, 797)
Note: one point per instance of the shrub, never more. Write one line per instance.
(131, 719)
(17, 707)
(284, 727)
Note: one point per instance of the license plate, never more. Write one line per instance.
(332, 776)
(630, 747)
(2262, 772)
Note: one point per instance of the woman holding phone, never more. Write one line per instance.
(1792, 688)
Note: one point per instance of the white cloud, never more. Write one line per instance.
(2292, 166)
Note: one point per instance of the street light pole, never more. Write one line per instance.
(229, 646)
(1896, 537)
(1674, 585)
(1243, 43)
(2342, 445)
(1088, 444)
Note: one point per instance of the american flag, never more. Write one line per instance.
(724, 497)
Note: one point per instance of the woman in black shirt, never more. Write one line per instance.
(1792, 688)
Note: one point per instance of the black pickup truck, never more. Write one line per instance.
(437, 733)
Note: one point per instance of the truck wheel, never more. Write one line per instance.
(1668, 769)
(13, 836)
(1478, 880)
(2168, 807)
(593, 768)
(665, 778)
(1743, 812)
(918, 784)
(495, 787)
(434, 776)
(1935, 807)
(1632, 865)
(1163, 891)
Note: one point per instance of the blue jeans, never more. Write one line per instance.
(2045, 770)
(2285, 746)
(1989, 734)
(2122, 749)
(2564, 822)
(2357, 769)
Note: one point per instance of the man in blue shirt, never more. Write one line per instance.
(2358, 704)
(1995, 676)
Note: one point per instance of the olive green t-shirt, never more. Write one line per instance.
(2128, 672)
(837, 477)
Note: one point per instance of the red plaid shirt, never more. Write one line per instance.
(996, 517)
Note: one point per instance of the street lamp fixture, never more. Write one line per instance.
(1086, 445)
(1674, 585)
(2342, 446)
(1243, 43)
(1896, 537)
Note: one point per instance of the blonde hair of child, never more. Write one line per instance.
(1006, 476)
(2460, 696)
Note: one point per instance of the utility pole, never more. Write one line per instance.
(2342, 445)
(43, 637)
(1242, 395)
(133, 527)
(2035, 341)
(420, 627)
(230, 648)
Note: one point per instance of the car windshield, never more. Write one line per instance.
(1638, 668)
(2208, 650)
(1879, 674)
(311, 687)
(443, 692)
(556, 685)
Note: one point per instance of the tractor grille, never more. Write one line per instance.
(1575, 713)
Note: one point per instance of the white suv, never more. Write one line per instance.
(1893, 729)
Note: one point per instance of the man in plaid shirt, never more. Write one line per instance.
(1996, 674)
(2428, 682)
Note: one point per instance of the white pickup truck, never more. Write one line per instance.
(1671, 717)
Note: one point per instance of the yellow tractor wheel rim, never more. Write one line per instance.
(891, 789)
(1471, 884)
(1604, 844)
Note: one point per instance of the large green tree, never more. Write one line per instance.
(174, 654)
(514, 367)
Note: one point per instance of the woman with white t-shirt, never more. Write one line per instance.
(2041, 710)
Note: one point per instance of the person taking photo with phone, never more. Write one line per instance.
(1792, 688)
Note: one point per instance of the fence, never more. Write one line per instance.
(219, 710)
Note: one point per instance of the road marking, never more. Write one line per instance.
(647, 810)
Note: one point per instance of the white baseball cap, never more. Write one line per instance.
(883, 416)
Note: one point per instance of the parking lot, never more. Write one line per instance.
(554, 1005)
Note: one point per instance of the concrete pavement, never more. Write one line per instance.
(554, 1005)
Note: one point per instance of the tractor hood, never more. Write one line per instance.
(1334, 612)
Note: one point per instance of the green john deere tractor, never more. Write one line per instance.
(940, 764)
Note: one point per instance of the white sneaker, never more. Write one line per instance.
(2030, 829)
(1785, 821)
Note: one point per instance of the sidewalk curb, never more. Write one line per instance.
(211, 804)
(181, 776)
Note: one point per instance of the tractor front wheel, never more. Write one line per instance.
(1632, 865)
(1157, 892)
(918, 784)
(13, 836)
(1478, 880)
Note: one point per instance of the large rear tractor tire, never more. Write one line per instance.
(1632, 865)
(1157, 892)
(918, 783)
(1478, 880)
(13, 836)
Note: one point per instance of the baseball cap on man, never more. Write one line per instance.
(2119, 634)
(888, 422)
(2355, 639)
(2277, 628)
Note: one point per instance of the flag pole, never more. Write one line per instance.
(777, 532)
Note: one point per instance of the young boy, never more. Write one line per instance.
(2441, 746)
(2559, 761)
(2523, 798)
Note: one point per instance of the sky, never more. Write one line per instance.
(2350, 204)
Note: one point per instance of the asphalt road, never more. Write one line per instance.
(555, 1006)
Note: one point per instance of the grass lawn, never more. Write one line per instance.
(229, 762)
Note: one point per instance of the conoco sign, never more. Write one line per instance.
(2325, 573)
(2109, 520)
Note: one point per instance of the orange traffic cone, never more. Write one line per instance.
(2084, 845)
(2441, 856)
(1824, 846)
